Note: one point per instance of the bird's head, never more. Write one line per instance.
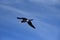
(31, 19)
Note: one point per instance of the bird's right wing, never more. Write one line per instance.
(30, 23)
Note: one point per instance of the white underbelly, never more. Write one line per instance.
(27, 20)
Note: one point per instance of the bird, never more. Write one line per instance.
(26, 20)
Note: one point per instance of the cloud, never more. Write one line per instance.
(45, 1)
(10, 1)
(13, 9)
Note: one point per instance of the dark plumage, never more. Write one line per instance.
(26, 20)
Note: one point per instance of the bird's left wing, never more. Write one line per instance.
(19, 18)
(22, 18)
(30, 23)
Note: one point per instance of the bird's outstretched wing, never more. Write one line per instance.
(22, 18)
(30, 23)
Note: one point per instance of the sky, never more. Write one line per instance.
(45, 15)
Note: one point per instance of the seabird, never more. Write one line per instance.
(26, 20)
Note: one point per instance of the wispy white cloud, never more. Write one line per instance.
(18, 11)
(45, 1)
(13, 9)
(11, 1)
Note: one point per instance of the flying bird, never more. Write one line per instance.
(26, 20)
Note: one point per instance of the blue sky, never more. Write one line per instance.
(46, 15)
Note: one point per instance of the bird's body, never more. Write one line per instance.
(26, 20)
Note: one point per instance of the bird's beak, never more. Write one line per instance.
(31, 19)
